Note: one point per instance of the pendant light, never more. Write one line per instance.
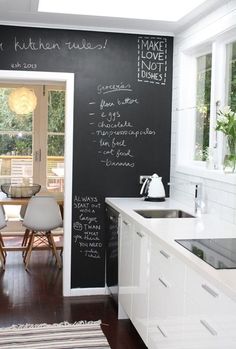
(22, 101)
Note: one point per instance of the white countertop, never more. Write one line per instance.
(167, 230)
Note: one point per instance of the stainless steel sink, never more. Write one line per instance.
(164, 214)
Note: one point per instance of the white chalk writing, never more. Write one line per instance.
(103, 89)
(39, 44)
(87, 228)
(111, 130)
(85, 45)
(35, 45)
(152, 60)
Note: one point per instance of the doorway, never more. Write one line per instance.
(67, 80)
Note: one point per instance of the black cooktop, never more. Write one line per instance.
(219, 253)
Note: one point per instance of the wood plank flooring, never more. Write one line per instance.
(36, 297)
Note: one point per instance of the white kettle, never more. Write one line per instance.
(153, 189)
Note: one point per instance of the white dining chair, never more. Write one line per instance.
(42, 215)
(2, 225)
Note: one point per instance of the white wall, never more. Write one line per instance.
(220, 190)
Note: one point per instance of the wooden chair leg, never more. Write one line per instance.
(1, 240)
(25, 237)
(2, 244)
(52, 244)
(28, 246)
(29, 250)
(25, 240)
(2, 257)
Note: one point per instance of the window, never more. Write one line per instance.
(32, 145)
(55, 139)
(231, 74)
(15, 142)
(203, 99)
(207, 83)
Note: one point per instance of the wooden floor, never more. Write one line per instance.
(36, 297)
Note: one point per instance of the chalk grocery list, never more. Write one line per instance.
(152, 60)
(112, 126)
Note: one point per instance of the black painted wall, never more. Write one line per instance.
(122, 119)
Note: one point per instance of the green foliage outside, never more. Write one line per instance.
(13, 142)
(203, 98)
(56, 122)
(16, 130)
(203, 107)
(232, 80)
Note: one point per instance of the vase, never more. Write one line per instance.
(229, 164)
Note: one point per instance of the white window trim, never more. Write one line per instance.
(185, 111)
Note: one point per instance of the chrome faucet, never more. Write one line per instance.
(199, 203)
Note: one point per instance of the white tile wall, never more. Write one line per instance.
(219, 196)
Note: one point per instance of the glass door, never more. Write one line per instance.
(55, 138)
(32, 145)
(16, 143)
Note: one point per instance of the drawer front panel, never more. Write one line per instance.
(167, 265)
(209, 300)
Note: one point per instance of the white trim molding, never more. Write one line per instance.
(87, 291)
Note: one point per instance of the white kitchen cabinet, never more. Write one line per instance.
(210, 300)
(126, 243)
(139, 315)
(133, 274)
(185, 310)
(166, 299)
(170, 305)
(209, 311)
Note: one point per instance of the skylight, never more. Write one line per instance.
(162, 10)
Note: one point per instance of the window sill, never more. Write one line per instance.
(216, 175)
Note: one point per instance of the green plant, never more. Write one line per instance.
(226, 122)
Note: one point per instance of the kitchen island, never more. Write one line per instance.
(172, 296)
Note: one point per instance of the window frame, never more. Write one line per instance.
(185, 111)
(196, 101)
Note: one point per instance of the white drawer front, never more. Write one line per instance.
(209, 300)
(167, 265)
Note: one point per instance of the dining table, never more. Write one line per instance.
(5, 200)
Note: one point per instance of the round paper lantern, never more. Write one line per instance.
(22, 101)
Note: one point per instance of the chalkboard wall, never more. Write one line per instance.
(122, 114)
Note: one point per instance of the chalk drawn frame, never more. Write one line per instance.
(139, 78)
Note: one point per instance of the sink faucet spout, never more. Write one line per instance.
(198, 199)
(199, 202)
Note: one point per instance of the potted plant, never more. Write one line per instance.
(226, 123)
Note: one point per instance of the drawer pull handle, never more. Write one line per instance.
(164, 283)
(166, 255)
(209, 328)
(210, 291)
(125, 223)
(139, 234)
(162, 332)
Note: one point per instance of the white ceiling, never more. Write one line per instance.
(25, 13)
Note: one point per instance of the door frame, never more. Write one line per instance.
(16, 76)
